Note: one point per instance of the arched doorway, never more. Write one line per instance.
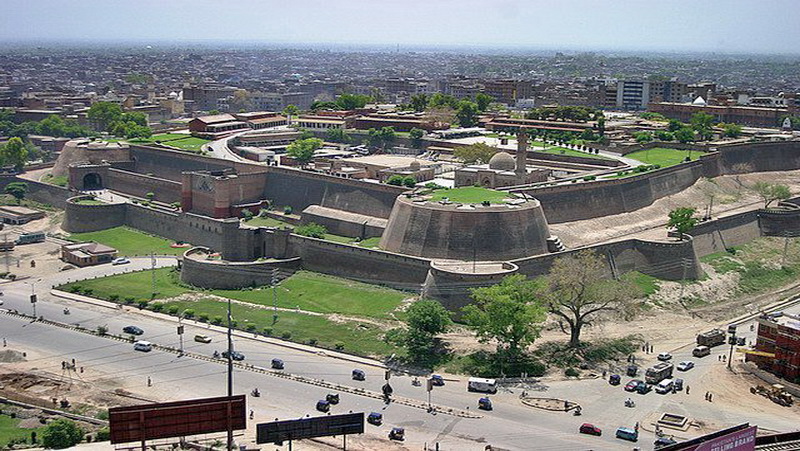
(92, 181)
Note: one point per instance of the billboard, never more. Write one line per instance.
(280, 431)
(743, 440)
(176, 419)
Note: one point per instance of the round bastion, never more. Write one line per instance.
(452, 231)
(87, 151)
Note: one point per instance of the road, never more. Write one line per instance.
(510, 426)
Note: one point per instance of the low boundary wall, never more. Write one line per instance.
(223, 274)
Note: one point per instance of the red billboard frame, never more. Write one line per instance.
(177, 419)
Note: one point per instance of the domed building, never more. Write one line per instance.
(502, 170)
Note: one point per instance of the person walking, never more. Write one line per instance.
(687, 389)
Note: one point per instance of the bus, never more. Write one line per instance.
(658, 372)
(31, 237)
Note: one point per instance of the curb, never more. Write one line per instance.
(235, 332)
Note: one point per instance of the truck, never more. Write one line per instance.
(482, 385)
(658, 372)
(711, 338)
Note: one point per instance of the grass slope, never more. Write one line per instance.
(130, 242)
(663, 156)
(470, 195)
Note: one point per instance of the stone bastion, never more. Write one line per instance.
(466, 232)
(199, 268)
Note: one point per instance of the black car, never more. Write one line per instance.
(235, 355)
(664, 441)
(133, 330)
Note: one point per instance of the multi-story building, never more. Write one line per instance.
(668, 91)
(778, 343)
(744, 115)
(507, 90)
(206, 97)
(633, 94)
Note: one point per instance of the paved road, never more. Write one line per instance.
(511, 425)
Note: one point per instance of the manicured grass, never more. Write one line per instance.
(263, 221)
(61, 180)
(371, 243)
(130, 242)
(663, 156)
(179, 140)
(339, 238)
(9, 431)
(191, 144)
(470, 195)
(90, 202)
(556, 150)
(354, 337)
(137, 285)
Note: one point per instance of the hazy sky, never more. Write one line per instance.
(730, 26)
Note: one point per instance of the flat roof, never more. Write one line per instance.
(392, 161)
(19, 210)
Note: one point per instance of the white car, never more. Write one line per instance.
(120, 261)
(685, 366)
(664, 356)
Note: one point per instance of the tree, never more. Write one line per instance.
(682, 220)
(440, 116)
(425, 319)
(416, 135)
(771, 192)
(419, 102)
(312, 229)
(104, 114)
(302, 150)
(466, 113)
(482, 101)
(337, 135)
(643, 137)
(381, 137)
(396, 180)
(478, 153)
(289, 111)
(663, 135)
(17, 189)
(577, 291)
(684, 135)
(702, 123)
(674, 125)
(508, 313)
(409, 181)
(351, 101)
(14, 153)
(61, 434)
(733, 130)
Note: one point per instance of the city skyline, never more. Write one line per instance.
(737, 27)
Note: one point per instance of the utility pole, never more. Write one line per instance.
(180, 333)
(7, 251)
(732, 341)
(785, 248)
(153, 272)
(230, 374)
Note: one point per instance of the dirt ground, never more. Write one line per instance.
(730, 194)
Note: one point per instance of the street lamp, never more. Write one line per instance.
(33, 295)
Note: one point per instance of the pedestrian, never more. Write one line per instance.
(73, 363)
(710, 397)
(81, 370)
(687, 389)
(604, 373)
(706, 396)
(719, 358)
(4, 343)
(63, 365)
(149, 382)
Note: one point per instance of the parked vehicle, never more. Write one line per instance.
(323, 405)
(485, 404)
(658, 372)
(437, 380)
(711, 338)
(332, 398)
(235, 355)
(30, 237)
(665, 356)
(589, 428)
(701, 351)
(120, 261)
(633, 385)
(661, 442)
(627, 434)
(375, 418)
(686, 365)
(482, 385)
(202, 338)
(359, 375)
(664, 386)
(133, 330)
(632, 370)
(144, 346)
(644, 388)
(614, 379)
(397, 434)
(678, 384)
(277, 364)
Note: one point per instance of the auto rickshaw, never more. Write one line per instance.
(632, 370)
(437, 380)
(375, 418)
(485, 404)
(277, 364)
(397, 434)
(332, 398)
(323, 405)
(614, 379)
(359, 375)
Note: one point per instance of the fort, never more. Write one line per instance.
(441, 249)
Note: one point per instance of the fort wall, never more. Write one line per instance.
(198, 271)
(80, 218)
(166, 191)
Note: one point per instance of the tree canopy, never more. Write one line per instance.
(578, 290)
(509, 313)
(302, 150)
(14, 153)
(61, 434)
(482, 101)
(770, 193)
(478, 153)
(466, 113)
(17, 189)
(682, 220)
(703, 124)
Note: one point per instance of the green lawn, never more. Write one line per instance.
(647, 284)
(304, 290)
(179, 140)
(663, 157)
(370, 243)
(9, 431)
(265, 221)
(130, 242)
(191, 144)
(470, 195)
(61, 180)
(555, 150)
(90, 202)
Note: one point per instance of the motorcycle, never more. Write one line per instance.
(629, 403)
(66, 311)
(415, 382)
(255, 393)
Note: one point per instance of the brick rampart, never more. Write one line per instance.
(217, 274)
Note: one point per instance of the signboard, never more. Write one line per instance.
(744, 440)
(176, 419)
(280, 431)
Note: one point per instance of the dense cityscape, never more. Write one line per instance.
(393, 245)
